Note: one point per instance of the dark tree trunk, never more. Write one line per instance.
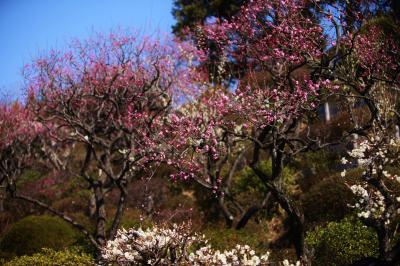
(120, 211)
(227, 215)
(247, 216)
(92, 206)
(1, 205)
(393, 256)
(296, 220)
(100, 214)
(383, 239)
(251, 212)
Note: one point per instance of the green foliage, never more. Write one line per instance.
(342, 243)
(49, 257)
(33, 233)
(247, 181)
(327, 201)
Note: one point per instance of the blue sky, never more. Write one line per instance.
(30, 26)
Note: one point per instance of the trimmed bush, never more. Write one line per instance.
(49, 257)
(342, 243)
(327, 201)
(31, 234)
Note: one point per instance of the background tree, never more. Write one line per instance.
(189, 14)
(289, 72)
(376, 83)
(108, 97)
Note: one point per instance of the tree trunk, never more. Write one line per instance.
(296, 219)
(251, 212)
(100, 214)
(92, 206)
(383, 239)
(120, 211)
(393, 256)
(227, 215)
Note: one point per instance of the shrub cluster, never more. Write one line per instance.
(31, 234)
(342, 243)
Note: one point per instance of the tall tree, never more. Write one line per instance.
(189, 14)
(108, 96)
(289, 72)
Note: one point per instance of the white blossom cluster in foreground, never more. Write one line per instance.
(175, 246)
(153, 246)
(240, 255)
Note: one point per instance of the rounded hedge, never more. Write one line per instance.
(327, 201)
(342, 243)
(30, 234)
(48, 257)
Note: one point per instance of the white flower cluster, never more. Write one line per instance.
(163, 246)
(370, 204)
(360, 153)
(240, 255)
(375, 156)
(287, 263)
(147, 247)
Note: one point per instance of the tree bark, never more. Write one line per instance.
(393, 256)
(383, 240)
(251, 212)
(296, 219)
(92, 205)
(119, 213)
(227, 215)
(100, 214)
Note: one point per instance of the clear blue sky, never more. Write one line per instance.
(30, 26)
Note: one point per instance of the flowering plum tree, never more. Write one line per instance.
(273, 38)
(202, 148)
(377, 151)
(291, 67)
(378, 202)
(109, 96)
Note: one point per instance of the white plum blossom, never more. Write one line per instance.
(171, 246)
(138, 247)
(240, 255)
(374, 201)
(287, 263)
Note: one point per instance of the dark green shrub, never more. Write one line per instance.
(342, 243)
(49, 257)
(327, 201)
(31, 234)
